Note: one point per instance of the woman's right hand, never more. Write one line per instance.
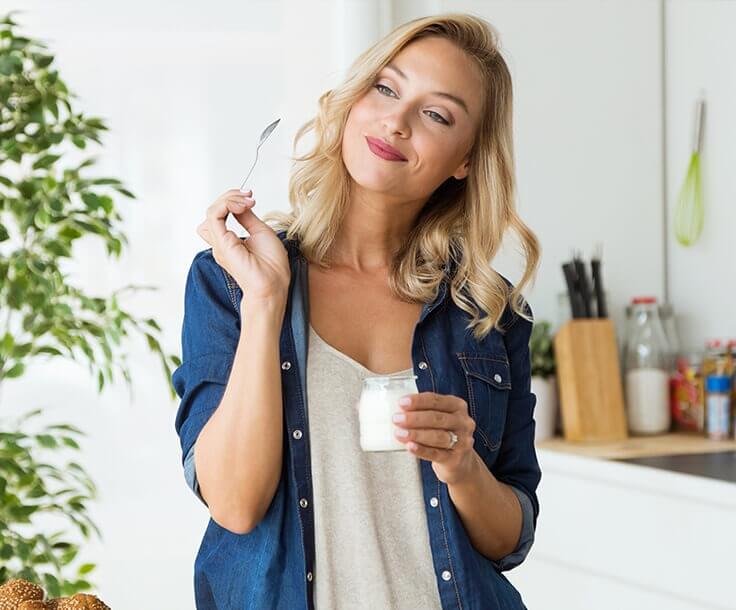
(259, 263)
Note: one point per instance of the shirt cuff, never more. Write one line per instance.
(190, 475)
(526, 539)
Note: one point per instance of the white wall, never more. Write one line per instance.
(187, 88)
(588, 129)
(701, 55)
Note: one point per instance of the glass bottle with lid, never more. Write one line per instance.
(646, 366)
(669, 324)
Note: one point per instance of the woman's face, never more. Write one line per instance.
(432, 132)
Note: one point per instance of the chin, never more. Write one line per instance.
(371, 180)
(373, 174)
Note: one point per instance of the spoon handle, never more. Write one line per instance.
(264, 135)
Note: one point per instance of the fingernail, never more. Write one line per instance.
(399, 417)
(402, 432)
(404, 401)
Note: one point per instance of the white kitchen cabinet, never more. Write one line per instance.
(614, 535)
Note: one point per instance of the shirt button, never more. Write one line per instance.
(434, 501)
(497, 377)
(446, 575)
(422, 365)
(303, 503)
(309, 576)
(286, 365)
(297, 434)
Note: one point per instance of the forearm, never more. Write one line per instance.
(238, 453)
(489, 510)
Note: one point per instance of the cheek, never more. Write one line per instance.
(360, 114)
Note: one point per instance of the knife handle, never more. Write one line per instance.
(598, 287)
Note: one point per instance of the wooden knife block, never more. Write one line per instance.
(589, 381)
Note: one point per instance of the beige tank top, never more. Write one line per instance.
(371, 537)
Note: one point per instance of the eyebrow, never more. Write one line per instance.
(459, 101)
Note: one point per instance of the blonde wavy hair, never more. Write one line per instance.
(462, 222)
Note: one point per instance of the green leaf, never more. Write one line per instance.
(10, 64)
(66, 427)
(29, 415)
(47, 349)
(68, 556)
(6, 345)
(86, 568)
(15, 371)
(46, 440)
(44, 61)
(125, 192)
(69, 442)
(153, 324)
(91, 200)
(46, 161)
(52, 585)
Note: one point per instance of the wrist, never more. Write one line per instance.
(266, 307)
(471, 472)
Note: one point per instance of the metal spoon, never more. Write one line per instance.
(266, 132)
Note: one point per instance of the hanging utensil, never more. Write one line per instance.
(689, 210)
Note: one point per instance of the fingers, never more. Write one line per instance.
(438, 420)
(433, 400)
(214, 229)
(231, 201)
(430, 419)
(435, 438)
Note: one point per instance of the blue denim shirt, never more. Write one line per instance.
(271, 567)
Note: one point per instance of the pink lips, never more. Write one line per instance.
(383, 150)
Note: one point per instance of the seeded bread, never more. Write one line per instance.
(15, 591)
(20, 594)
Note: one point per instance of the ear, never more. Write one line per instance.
(462, 171)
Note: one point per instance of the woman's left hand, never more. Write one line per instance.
(429, 417)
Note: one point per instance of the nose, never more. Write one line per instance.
(396, 123)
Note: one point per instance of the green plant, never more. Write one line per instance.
(31, 487)
(44, 209)
(542, 350)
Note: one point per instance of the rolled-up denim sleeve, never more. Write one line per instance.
(516, 464)
(526, 539)
(209, 336)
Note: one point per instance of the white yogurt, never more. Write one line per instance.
(379, 400)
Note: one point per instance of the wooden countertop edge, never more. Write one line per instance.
(675, 443)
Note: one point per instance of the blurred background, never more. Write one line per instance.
(606, 95)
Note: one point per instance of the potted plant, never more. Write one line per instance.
(44, 209)
(544, 384)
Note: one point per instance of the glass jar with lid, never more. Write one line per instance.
(646, 366)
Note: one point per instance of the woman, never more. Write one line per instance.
(373, 272)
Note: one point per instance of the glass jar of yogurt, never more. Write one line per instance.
(379, 400)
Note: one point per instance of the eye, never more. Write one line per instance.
(379, 87)
(442, 120)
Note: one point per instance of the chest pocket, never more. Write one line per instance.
(489, 382)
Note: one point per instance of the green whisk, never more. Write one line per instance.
(689, 211)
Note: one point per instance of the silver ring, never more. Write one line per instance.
(453, 439)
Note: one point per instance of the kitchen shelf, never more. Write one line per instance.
(675, 443)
